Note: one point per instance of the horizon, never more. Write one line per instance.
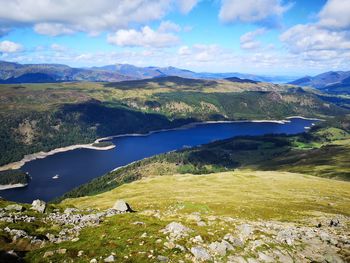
(257, 37)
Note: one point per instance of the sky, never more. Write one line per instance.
(278, 37)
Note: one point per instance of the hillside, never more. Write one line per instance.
(337, 82)
(38, 117)
(193, 218)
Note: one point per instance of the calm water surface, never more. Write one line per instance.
(80, 166)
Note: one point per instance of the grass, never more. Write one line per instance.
(242, 193)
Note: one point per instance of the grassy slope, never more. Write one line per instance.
(242, 193)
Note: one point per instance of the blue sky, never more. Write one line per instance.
(254, 36)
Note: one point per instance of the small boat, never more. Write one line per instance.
(56, 176)
(306, 128)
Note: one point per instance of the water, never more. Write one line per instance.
(80, 166)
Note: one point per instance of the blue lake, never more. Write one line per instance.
(80, 166)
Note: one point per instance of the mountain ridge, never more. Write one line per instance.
(12, 72)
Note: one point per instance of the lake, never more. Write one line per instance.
(79, 166)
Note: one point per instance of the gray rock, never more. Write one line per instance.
(39, 205)
(176, 229)
(286, 236)
(162, 258)
(94, 260)
(235, 241)
(245, 231)
(70, 210)
(15, 207)
(109, 259)
(265, 258)
(200, 253)
(122, 206)
(218, 248)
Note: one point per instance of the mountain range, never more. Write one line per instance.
(11, 72)
(336, 82)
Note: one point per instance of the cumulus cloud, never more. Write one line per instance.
(52, 29)
(187, 5)
(146, 37)
(311, 37)
(252, 11)
(248, 40)
(336, 15)
(10, 47)
(167, 26)
(64, 17)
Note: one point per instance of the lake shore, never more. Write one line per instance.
(41, 155)
(11, 186)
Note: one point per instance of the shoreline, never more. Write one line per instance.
(11, 186)
(42, 155)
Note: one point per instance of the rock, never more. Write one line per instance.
(70, 210)
(169, 245)
(48, 254)
(176, 228)
(61, 251)
(201, 223)
(162, 259)
(80, 253)
(109, 259)
(236, 259)
(245, 231)
(39, 205)
(265, 258)
(122, 206)
(286, 236)
(15, 207)
(218, 248)
(200, 253)
(334, 222)
(236, 242)
(94, 260)
(197, 239)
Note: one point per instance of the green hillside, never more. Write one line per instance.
(41, 117)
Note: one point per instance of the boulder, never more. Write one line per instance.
(122, 206)
(39, 205)
(162, 258)
(109, 259)
(176, 229)
(15, 207)
(200, 253)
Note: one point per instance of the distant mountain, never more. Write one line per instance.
(235, 79)
(40, 73)
(337, 82)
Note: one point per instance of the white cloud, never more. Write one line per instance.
(166, 26)
(248, 40)
(186, 6)
(52, 29)
(310, 37)
(184, 51)
(93, 16)
(10, 47)
(336, 15)
(251, 11)
(146, 37)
